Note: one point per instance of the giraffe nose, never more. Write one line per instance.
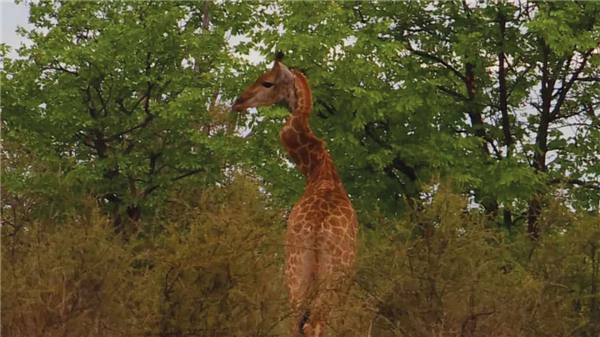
(236, 104)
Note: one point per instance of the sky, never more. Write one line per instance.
(13, 15)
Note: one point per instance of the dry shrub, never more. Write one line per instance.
(208, 268)
(61, 282)
(445, 273)
(210, 264)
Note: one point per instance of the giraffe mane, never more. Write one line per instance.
(305, 88)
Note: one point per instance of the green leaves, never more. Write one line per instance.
(110, 96)
(423, 83)
(403, 92)
(509, 181)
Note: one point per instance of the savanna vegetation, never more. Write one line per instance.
(134, 203)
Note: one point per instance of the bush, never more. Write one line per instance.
(448, 274)
(211, 269)
(210, 264)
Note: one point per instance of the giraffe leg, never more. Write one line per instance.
(329, 284)
(335, 255)
(299, 272)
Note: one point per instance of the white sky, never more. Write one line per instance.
(13, 15)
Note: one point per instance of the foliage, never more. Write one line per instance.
(134, 203)
(403, 92)
(213, 267)
(112, 97)
(501, 96)
(463, 279)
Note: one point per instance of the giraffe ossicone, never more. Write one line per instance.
(321, 234)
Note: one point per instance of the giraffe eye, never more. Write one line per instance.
(267, 84)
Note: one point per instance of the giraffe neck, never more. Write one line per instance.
(300, 103)
(304, 148)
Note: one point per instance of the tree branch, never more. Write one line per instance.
(588, 79)
(452, 93)
(564, 90)
(586, 184)
(58, 67)
(89, 103)
(518, 80)
(150, 189)
(146, 121)
(439, 60)
(188, 174)
(506, 127)
(102, 101)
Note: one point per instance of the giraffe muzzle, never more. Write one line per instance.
(237, 105)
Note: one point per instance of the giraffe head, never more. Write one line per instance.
(272, 87)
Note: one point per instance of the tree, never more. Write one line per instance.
(487, 94)
(112, 98)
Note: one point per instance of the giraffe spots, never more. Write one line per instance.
(338, 251)
(305, 230)
(289, 139)
(296, 229)
(296, 124)
(337, 231)
(300, 217)
(302, 139)
(318, 146)
(304, 155)
(295, 157)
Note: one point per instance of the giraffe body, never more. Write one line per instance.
(321, 234)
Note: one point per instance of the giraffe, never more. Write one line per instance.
(321, 233)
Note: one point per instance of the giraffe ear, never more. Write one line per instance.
(279, 56)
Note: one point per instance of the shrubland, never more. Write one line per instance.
(212, 265)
